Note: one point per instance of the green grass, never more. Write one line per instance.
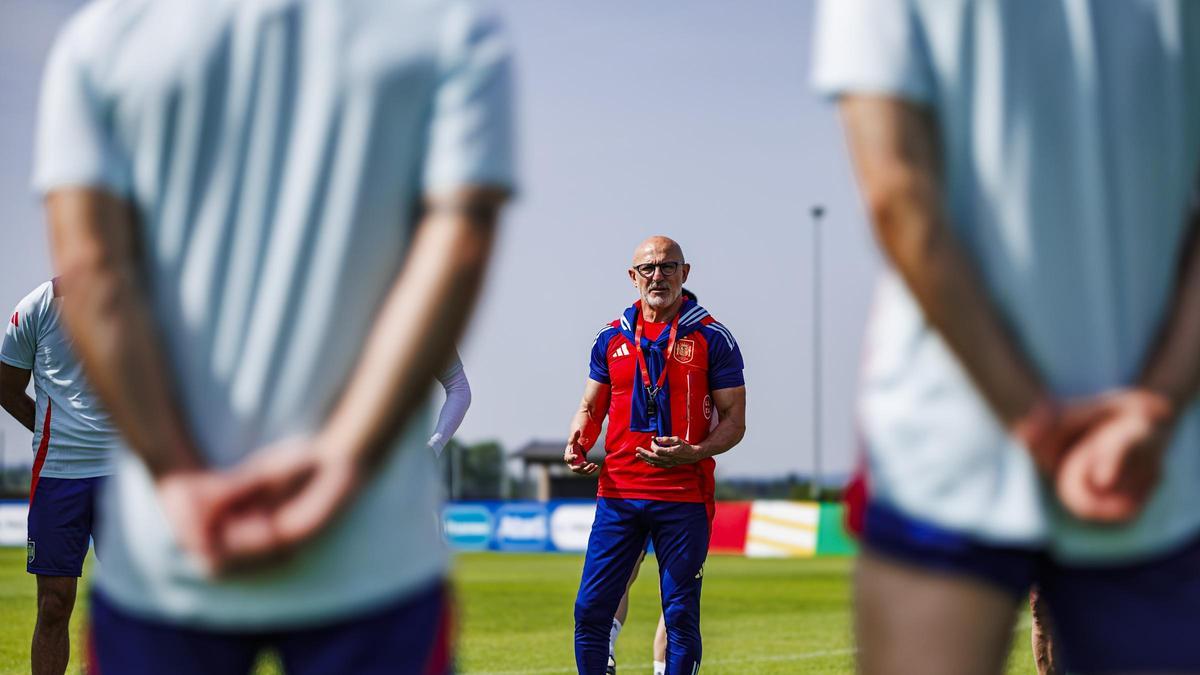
(760, 616)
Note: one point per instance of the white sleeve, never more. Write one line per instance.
(470, 135)
(871, 47)
(454, 410)
(74, 143)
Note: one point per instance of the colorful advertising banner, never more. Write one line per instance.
(756, 529)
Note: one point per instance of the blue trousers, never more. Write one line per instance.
(680, 532)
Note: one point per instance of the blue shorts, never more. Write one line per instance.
(891, 534)
(1141, 617)
(410, 637)
(62, 519)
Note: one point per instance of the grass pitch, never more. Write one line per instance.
(760, 616)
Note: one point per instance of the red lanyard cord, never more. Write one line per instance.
(641, 359)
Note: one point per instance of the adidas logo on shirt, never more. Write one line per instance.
(623, 350)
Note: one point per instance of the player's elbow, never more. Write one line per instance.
(8, 403)
(10, 398)
(899, 202)
(738, 431)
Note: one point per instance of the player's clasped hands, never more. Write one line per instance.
(261, 511)
(669, 451)
(1104, 454)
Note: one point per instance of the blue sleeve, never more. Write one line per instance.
(725, 363)
(598, 369)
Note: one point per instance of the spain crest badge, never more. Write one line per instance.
(685, 349)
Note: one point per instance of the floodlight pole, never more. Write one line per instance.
(817, 212)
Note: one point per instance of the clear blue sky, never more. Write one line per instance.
(692, 119)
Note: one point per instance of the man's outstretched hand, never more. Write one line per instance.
(575, 455)
(261, 511)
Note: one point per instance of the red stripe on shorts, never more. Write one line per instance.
(441, 655)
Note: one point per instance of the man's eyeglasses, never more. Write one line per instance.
(667, 268)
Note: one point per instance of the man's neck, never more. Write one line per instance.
(661, 315)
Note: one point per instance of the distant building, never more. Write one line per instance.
(542, 463)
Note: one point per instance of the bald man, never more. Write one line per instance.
(658, 372)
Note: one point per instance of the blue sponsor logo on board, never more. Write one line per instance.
(467, 526)
(522, 527)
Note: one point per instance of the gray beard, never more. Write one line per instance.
(651, 301)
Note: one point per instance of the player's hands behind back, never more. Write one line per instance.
(261, 511)
(1109, 471)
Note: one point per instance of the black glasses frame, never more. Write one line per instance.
(668, 268)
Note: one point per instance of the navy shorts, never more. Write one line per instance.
(1141, 617)
(410, 637)
(62, 519)
(891, 534)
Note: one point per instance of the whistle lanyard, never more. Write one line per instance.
(652, 390)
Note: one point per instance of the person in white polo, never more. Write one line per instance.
(271, 218)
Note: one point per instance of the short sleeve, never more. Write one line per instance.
(871, 47)
(725, 363)
(598, 367)
(20, 336)
(74, 145)
(470, 137)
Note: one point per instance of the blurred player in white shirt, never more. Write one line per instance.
(1028, 402)
(272, 219)
(74, 442)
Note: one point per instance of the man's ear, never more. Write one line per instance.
(687, 268)
(633, 276)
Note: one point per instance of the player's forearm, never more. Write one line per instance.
(1173, 368)
(452, 414)
(589, 418)
(722, 438)
(107, 317)
(588, 425)
(416, 329)
(894, 148)
(21, 407)
(945, 285)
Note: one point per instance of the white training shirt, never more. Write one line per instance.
(1070, 133)
(276, 152)
(73, 436)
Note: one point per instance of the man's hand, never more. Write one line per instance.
(282, 497)
(1110, 472)
(575, 456)
(1050, 427)
(188, 499)
(668, 451)
(261, 511)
